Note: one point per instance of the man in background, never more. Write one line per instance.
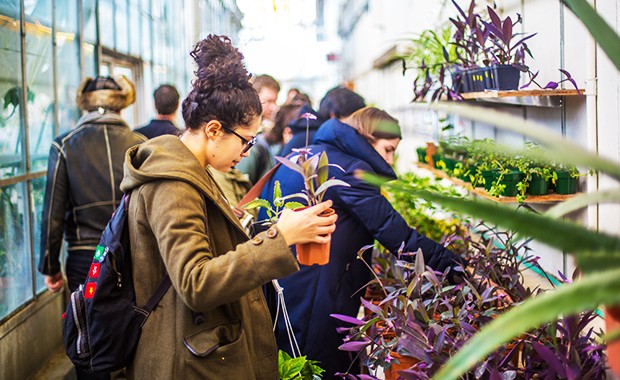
(84, 173)
(166, 103)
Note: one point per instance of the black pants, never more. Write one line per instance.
(76, 268)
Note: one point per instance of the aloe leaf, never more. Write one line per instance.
(561, 234)
(563, 150)
(584, 294)
(583, 200)
(590, 262)
(290, 164)
(604, 34)
(257, 203)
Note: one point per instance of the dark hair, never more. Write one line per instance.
(221, 90)
(286, 114)
(166, 99)
(340, 102)
(101, 83)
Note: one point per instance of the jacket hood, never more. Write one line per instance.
(114, 100)
(165, 157)
(299, 124)
(346, 139)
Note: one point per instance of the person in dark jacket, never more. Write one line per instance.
(84, 173)
(299, 129)
(166, 103)
(339, 102)
(365, 141)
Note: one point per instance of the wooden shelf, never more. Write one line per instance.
(534, 98)
(550, 198)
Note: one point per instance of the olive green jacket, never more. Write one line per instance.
(180, 223)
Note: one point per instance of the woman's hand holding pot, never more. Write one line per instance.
(308, 225)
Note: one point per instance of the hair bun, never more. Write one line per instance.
(220, 65)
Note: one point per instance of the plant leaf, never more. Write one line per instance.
(604, 35)
(257, 203)
(494, 17)
(561, 234)
(585, 294)
(330, 183)
(294, 205)
(563, 150)
(277, 191)
(348, 319)
(323, 168)
(583, 200)
(355, 346)
(290, 164)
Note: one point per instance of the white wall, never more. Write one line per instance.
(561, 42)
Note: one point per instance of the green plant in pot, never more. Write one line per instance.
(300, 368)
(314, 170)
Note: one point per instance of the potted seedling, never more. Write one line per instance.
(314, 170)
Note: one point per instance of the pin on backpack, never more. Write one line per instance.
(102, 323)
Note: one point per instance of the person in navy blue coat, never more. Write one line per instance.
(364, 141)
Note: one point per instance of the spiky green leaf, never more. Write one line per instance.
(583, 200)
(257, 203)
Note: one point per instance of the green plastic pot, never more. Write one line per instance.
(421, 154)
(436, 158)
(510, 180)
(489, 176)
(538, 186)
(566, 184)
(450, 163)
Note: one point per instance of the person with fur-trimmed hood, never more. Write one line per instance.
(84, 173)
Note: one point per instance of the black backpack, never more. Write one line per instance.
(102, 324)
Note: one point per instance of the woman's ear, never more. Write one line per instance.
(212, 129)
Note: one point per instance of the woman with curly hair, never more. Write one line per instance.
(213, 323)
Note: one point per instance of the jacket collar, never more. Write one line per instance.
(166, 157)
(105, 118)
(346, 139)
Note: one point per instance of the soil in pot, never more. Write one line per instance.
(314, 253)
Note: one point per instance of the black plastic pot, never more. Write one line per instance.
(477, 79)
(504, 77)
(459, 82)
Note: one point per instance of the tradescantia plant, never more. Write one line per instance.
(597, 254)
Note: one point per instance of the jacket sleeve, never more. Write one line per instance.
(55, 205)
(371, 209)
(203, 279)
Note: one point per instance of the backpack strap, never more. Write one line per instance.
(158, 295)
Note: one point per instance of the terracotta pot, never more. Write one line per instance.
(405, 362)
(314, 253)
(612, 322)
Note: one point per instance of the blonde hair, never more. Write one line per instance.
(374, 124)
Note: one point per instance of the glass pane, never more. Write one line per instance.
(88, 52)
(11, 130)
(40, 76)
(38, 192)
(38, 13)
(66, 16)
(134, 29)
(67, 56)
(122, 35)
(128, 114)
(88, 10)
(106, 22)
(15, 264)
(145, 25)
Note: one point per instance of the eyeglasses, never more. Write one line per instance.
(248, 143)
